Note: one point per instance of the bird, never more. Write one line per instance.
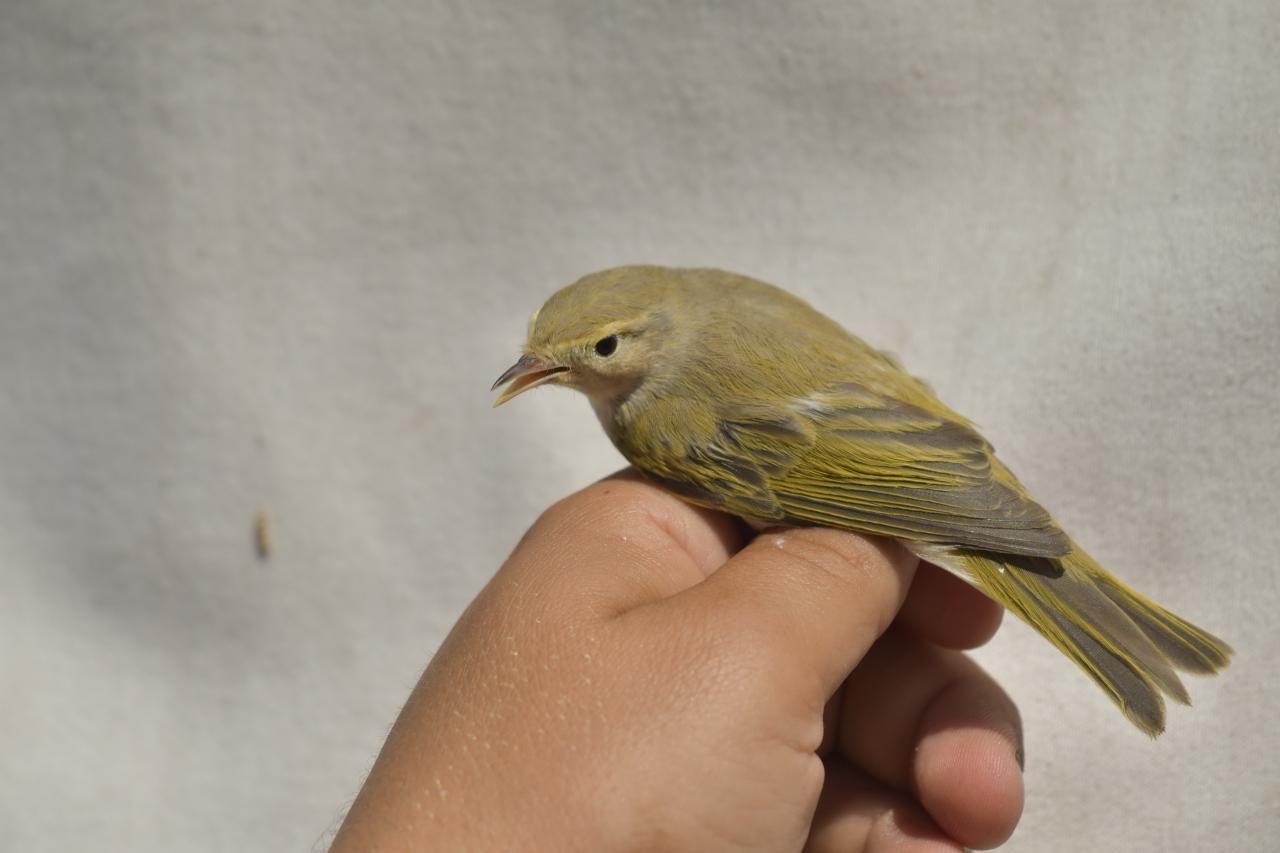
(738, 396)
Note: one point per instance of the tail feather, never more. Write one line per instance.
(1188, 648)
(1137, 697)
(1128, 645)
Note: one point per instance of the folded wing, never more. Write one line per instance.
(847, 457)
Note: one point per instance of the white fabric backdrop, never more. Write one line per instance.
(269, 256)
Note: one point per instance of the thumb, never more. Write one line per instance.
(809, 601)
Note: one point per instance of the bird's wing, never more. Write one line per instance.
(727, 463)
(851, 458)
(886, 466)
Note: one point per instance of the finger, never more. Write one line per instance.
(948, 612)
(857, 813)
(921, 718)
(964, 773)
(808, 603)
(617, 544)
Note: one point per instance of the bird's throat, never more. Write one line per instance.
(616, 407)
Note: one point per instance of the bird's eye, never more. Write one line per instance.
(606, 346)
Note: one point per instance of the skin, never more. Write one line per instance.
(643, 674)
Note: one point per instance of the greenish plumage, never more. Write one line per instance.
(738, 396)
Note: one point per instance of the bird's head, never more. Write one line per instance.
(604, 335)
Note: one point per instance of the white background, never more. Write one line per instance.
(269, 256)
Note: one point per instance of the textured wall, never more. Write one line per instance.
(269, 256)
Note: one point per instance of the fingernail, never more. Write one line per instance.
(1020, 755)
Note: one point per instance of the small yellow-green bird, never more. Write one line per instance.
(738, 396)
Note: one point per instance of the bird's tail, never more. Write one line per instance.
(1126, 643)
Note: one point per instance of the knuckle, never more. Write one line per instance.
(845, 557)
(847, 567)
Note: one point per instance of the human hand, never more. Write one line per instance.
(631, 680)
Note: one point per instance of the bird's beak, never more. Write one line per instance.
(529, 372)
